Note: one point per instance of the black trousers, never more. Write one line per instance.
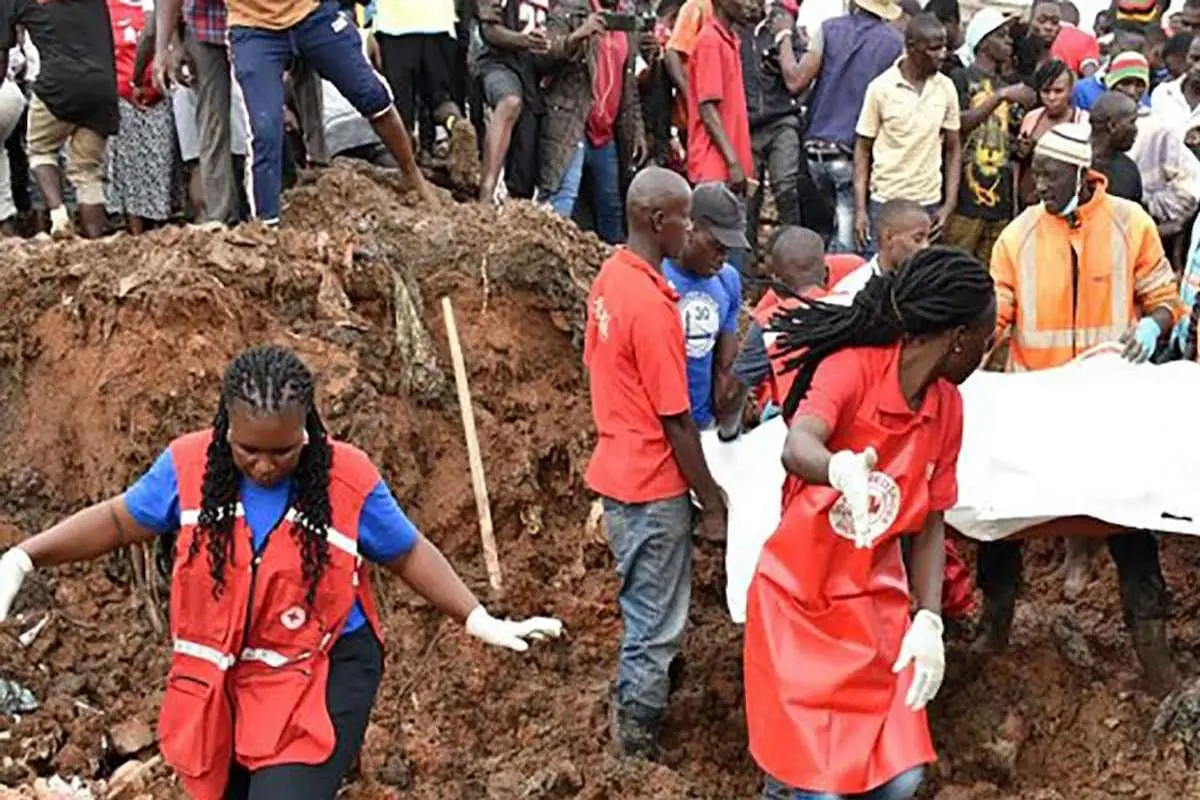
(1139, 573)
(419, 66)
(355, 669)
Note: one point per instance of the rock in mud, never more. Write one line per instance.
(131, 736)
(1178, 719)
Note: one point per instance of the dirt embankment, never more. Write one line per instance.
(110, 349)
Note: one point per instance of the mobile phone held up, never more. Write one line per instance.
(625, 23)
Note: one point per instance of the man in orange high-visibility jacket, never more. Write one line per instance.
(1080, 269)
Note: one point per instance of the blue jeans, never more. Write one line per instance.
(873, 214)
(605, 166)
(901, 787)
(330, 44)
(835, 178)
(652, 544)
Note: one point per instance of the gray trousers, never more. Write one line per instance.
(213, 88)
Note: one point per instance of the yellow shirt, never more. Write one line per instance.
(400, 17)
(907, 125)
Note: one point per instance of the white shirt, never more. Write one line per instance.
(844, 291)
(1168, 101)
(400, 17)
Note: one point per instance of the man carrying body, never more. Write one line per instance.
(710, 295)
(74, 102)
(648, 458)
(903, 229)
(1093, 266)
(908, 145)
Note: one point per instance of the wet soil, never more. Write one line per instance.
(110, 349)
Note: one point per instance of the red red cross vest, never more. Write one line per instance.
(249, 668)
(775, 389)
(824, 622)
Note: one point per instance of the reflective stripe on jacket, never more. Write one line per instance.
(1064, 288)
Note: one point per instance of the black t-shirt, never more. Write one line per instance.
(986, 188)
(78, 79)
(1124, 178)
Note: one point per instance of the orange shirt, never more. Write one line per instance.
(633, 351)
(691, 19)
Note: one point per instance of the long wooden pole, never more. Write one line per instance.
(478, 481)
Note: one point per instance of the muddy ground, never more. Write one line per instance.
(110, 349)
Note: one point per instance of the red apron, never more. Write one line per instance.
(824, 623)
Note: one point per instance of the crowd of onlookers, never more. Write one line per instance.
(207, 108)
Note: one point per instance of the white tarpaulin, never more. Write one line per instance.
(1098, 438)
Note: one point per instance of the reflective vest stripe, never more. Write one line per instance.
(335, 537)
(223, 661)
(192, 516)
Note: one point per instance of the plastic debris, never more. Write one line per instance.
(16, 699)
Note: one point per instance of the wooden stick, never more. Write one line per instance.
(478, 482)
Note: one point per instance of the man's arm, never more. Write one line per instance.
(862, 178)
(799, 73)
(711, 117)
(726, 388)
(1154, 287)
(673, 61)
(1004, 274)
(952, 161)
(145, 49)
(682, 44)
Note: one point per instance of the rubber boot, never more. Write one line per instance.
(1154, 654)
(634, 732)
(995, 624)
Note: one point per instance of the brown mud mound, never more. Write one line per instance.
(110, 349)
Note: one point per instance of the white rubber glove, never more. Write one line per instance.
(510, 633)
(14, 566)
(922, 647)
(850, 473)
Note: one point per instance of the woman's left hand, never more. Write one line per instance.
(510, 633)
(923, 648)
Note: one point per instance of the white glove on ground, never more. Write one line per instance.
(14, 566)
(923, 648)
(850, 473)
(509, 633)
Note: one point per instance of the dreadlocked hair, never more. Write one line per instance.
(266, 380)
(938, 289)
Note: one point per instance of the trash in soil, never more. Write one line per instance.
(16, 699)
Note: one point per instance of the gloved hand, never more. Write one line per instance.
(14, 566)
(1142, 343)
(922, 647)
(849, 473)
(509, 633)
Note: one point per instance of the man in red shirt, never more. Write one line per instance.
(648, 453)
(719, 146)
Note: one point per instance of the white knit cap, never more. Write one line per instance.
(1069, 142)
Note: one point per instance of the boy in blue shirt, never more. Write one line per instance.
(710, 293)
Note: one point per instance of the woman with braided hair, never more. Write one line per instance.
(276, 640)
(837, 678)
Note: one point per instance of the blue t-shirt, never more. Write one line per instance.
(709, 308)
(1088, 90)
(384, 532)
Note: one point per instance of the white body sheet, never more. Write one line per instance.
(1100, 438)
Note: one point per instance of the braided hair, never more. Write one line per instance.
(938, 289)
(268, 380)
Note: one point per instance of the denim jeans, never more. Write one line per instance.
(901, 787)
(605, 166)
(331, 45)
(652, 544)
(835, 178)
